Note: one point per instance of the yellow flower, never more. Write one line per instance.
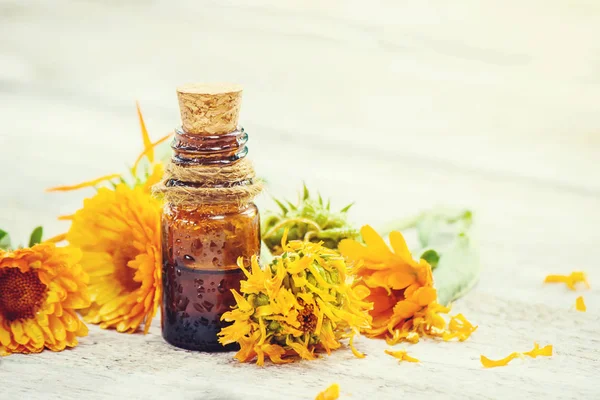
(401, 289)
(331, 393)
(40, 289)
(118, 232)
(299, 305)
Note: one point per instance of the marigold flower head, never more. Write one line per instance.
(118, 232)
(40, 289)
(300, 304)
(401, 289)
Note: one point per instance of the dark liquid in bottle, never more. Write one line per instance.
(193, 303)
(201, 248)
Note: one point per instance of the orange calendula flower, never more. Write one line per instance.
(401, 355)
(570, 280)
(401, 289)
(300, 304)
(545, 351)
(118, 232)
(580, 304)
(40, 290)
(331, 393)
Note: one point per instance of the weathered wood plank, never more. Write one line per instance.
(397, 106)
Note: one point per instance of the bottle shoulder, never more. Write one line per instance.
(210, 211)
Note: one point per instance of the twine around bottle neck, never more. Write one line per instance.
(209, 169)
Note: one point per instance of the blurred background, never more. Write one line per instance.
(397, 105)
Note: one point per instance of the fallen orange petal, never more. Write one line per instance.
(331, 393)
(580, 305)
(545, 351)
(570, 280)
(401, 355)
(487, 363)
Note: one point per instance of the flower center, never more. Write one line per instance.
(21, 294)
(123, 273)
(308, 320)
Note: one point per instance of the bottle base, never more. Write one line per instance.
(205, 347)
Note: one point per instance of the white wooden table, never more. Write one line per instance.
(397, 105)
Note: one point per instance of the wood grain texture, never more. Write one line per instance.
(398, 106)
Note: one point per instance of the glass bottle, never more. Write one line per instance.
(202, 242)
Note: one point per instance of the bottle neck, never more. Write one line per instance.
(193, 149)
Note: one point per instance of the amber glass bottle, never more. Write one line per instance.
(202, 241)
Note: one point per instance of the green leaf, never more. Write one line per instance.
(457, 271)
(4, 240)
(306, 194)
(440, 226)
(36, 236)
(283, 208)
(345, 209)
(291, 205)
(432, 257)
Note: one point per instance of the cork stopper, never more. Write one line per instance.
(209, 109)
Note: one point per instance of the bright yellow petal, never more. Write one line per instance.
(487, 363)
(5, 335)
(356, 353)
(18, 332)
(331, 393)
(375, 243)
(399, 245)
(300, 349)
(580, 304)
(34, 332)
(545, 351)
(57, 328)
(401, 355)
(353, 250)
(145, 136)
